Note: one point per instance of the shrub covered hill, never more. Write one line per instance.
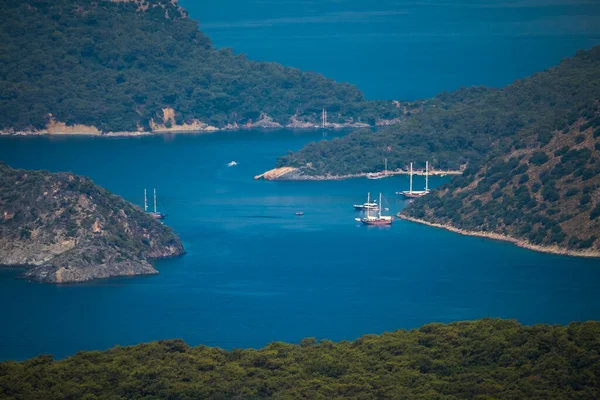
(543, 193)
(64, 228)
(463, 127)
(485, 359)
(130, 65)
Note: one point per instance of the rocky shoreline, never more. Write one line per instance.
(497, 236)
(296, 174)
(179, 130)
(168, 125)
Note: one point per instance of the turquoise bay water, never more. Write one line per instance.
(256, 273)
(396, 49)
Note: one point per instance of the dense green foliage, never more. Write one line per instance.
(465, 126)
(485, 359)
(115, 65)
(55, 221)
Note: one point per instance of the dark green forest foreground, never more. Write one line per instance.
(463, 127)
(116, 65)
(485, 359)
(63, 228)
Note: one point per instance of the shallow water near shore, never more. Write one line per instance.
(255, 272)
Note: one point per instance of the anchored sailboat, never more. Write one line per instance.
(376, 220)
(410, 193)
(155, 214)
(368, 205)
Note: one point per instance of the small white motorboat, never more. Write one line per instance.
(232, 164)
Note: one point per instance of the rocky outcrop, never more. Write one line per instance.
(297, 122)
(279, 174)
(264, 121)
(54, 127)
(169, 125)
(63, 228)
(60, 128)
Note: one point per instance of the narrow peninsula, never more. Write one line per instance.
(62, 228)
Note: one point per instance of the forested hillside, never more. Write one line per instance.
(464, 127)
(116, 65)
(486, 359)
(545, 191)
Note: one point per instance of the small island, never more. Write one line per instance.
(63, 228)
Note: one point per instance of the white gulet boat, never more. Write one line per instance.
(410, 193)
(377, 220)
(155, 214)
(368, 205)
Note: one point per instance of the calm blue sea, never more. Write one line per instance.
(398, 49)
(256, 273)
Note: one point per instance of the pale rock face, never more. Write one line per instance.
(54, 127)
(169, 125)
(277, 173)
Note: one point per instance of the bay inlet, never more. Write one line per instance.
(255, 272)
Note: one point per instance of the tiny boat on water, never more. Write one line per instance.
(300, 213)
(232, 164)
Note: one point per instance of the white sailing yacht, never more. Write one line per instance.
(410, 193)
(376, 220)
(368, 205)
(155, 214)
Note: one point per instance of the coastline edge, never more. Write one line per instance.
(498, 236)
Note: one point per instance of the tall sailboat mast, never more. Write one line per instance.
(379, 205)
(145, 201)
(368, 202)
(324, 118)
(155, 201)
(426, 176)
(411, 174)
